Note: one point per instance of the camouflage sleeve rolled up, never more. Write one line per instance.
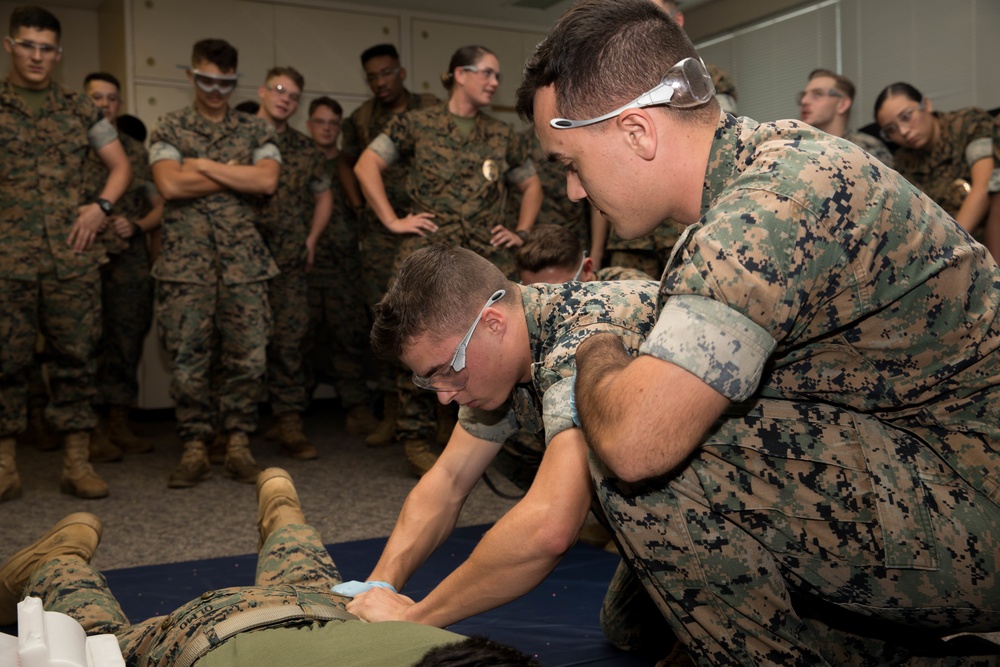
(519, 154)
(385, 148)
(493, 425)
(101, 134)
(268, 151)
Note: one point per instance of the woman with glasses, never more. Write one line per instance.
(949, 155)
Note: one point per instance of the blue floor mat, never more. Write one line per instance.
(557, 622)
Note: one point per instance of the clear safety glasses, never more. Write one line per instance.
(222, 84)
(687, 84)
(455, 376)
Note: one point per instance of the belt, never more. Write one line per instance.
(253, 619)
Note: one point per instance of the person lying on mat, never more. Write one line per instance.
(290, 617)
(505, 353)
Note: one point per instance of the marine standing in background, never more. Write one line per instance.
(462, 162)
(50, 281)
(292, 223)
(385, 76)
(826, 104)
(338, 317)
(214, 267)
(126, 287)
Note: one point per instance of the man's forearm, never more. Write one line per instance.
(369, 173)
(255, 179)
(352, 190)
(321, 214)
(531, 204)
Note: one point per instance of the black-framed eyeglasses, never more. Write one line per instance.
(31, 48)
(455, 376)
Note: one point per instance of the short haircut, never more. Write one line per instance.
(102, 76)
(478, 651)
(840, 82)
(39, 18)
(898, 88)
(437, 291)
(600, 55)
(463, 57)
(290, 72)
(549, 246)
(328, 102)
(377, 51)
(219, 52)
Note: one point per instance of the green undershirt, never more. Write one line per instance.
(34, 99)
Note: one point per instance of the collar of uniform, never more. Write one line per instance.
(209, 128)
(11, 99)
(722, 158)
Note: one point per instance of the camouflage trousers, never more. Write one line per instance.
(337, 342)
(806, 534)
(288, 296)
(67, 313)
(293, 568)
(197, 322)
(127, 303)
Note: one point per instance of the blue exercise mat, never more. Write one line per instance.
(557, 622)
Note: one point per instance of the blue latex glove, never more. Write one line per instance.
(351, 588)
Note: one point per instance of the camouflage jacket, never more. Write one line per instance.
(945, 170)
(817, 274)
(557, 208)
(340, 237)
(873, 145)
(213, 237)
(286, 216)
(460, 180)
(42, 182)
(559, 318)
(610, 273)
(367, 122)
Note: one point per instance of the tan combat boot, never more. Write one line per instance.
(240, 464)
(385, 431)
(39, 434)
(360, 420)
(277, 503)
(217, 450)
(10, 481)
(193, 468)
(102, 450)
(420, 456)
(121, 432)
(77, 535)
(293, 440)
(78, 476)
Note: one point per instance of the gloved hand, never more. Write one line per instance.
(351, 588)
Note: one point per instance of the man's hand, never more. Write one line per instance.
(380, 604)
(310, 253)
(415, 223)
(123, 226)
(505, 238)
(90, 221)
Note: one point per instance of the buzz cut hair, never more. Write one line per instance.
(548, 246)
(29, 16)
(290, 72)
(840, 82)
(219, 52)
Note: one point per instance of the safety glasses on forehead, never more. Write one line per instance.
(687, 84)
(454, 376)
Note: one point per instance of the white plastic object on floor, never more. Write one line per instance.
(52, 639)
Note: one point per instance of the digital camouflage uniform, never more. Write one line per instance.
(557, 208)
(945, 172)
(846, 493)
(44, 285)
(338, 318)
(294, 576)
(213, 270)
(873, 145)
(462, 181)
(380, 245)
(286, 220)
(126, 286)
(725, 89)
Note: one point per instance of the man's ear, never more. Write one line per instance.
(844, 105)
(638, 130)
(495, 320)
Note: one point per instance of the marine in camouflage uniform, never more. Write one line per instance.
(853, 471)
(286, 218)
(337, 313)
(944, 172)
(533, 388)
(873, 145)
(212, 277)
(45, 286)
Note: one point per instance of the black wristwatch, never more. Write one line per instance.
(106, 206)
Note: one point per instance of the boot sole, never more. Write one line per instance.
(69, 489)
(9, 598)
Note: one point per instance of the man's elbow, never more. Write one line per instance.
(167, 190)
(269, 184)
